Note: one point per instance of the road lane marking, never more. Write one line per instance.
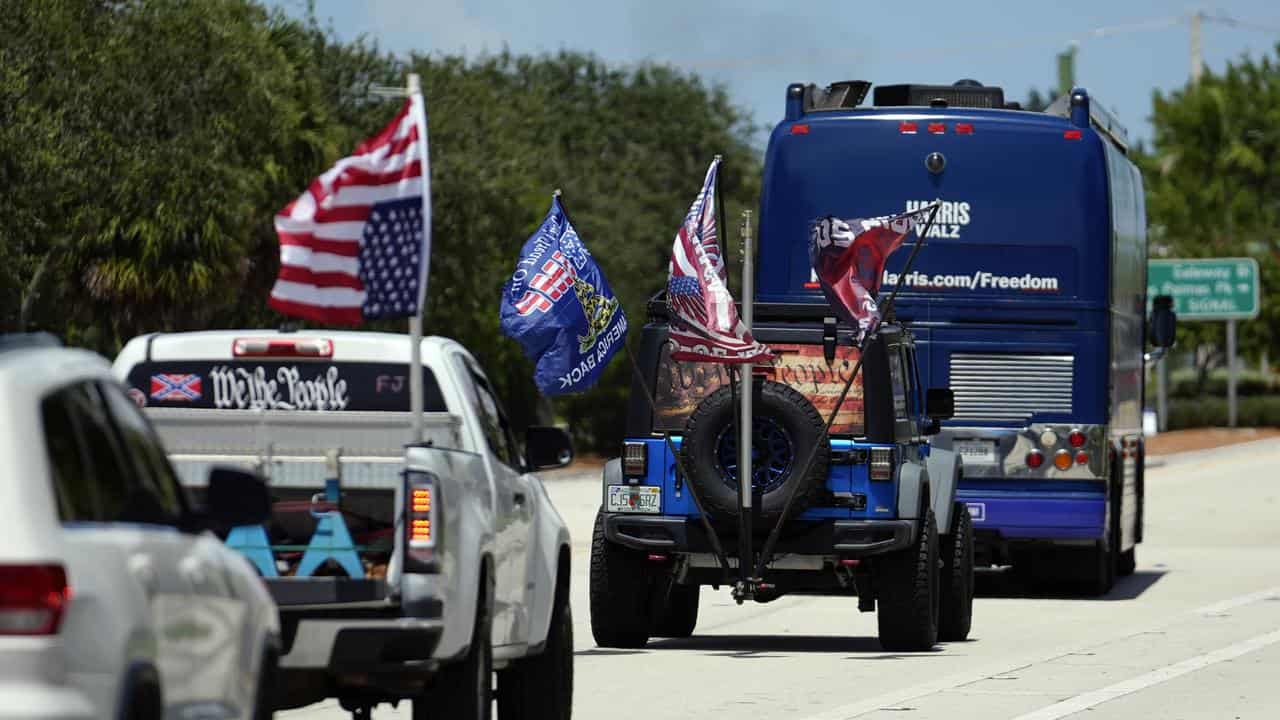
(1092, 699)
(898, 698)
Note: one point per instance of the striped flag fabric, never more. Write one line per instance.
(848, 257)
(704, 323)
(356, 244)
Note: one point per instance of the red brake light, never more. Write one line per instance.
(1035, 459)
(1072, 134)
(800, 129)
(908, 128)
(937, 128)
(264, 347)
(1082, 458)
(964, 128)
(1076, 438)
(32, 599)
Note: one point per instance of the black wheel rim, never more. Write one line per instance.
(772, 454)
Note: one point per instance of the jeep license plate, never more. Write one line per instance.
(977, 452)
(635, 499)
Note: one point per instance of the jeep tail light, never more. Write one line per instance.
(275, 347)
(1062, 460)
(881, 463)
(421, 527)
(635, 459)
(1076, 439)
(32, 599)
(1035, 459)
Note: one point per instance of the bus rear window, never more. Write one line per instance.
(280, 385)
(682, 385)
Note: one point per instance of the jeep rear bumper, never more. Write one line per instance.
(847, 538)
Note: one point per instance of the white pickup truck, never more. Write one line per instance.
(402, 570)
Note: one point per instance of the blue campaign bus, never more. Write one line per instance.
(1028, 299)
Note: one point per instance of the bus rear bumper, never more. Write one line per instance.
(1037, 516)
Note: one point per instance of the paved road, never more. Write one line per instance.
(1195, 633)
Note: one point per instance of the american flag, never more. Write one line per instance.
(355, 245)
(848, 257)
(704, 324)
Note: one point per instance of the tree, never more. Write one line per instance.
(1213, 188)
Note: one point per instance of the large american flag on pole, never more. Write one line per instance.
(355, 245)
(704, 324)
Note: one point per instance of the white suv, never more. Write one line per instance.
(116, 599)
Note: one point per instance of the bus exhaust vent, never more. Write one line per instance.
(960, 95)
(990, 386)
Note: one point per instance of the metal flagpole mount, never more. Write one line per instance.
(745, 589)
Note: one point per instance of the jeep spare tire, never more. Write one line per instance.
(786, 428)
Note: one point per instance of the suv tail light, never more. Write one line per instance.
(881, 463)
(635, 459)
(32, 598)
(421, 528)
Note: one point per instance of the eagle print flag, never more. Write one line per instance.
(849, 257)
(704, 324)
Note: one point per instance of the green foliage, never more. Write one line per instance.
(1256, 411)
(1186, 383)
(1213, 187)
(147, 144)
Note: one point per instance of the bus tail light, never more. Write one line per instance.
(1072, 134)
(32, 599)
(908, 128)
(1062, 460)
(964, 128)
(1076, 439)
(881, 463)
(937, 128)
(1082, 458)
(1035, 459)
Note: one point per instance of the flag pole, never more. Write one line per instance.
(766, 554)
(746, 554)
(419, 112)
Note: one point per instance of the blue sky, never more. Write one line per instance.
(1126, 48)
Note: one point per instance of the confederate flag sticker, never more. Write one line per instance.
(176, 387)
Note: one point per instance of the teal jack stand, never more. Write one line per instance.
(331, 539)
(252, 542)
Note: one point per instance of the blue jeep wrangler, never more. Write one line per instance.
(875, 517)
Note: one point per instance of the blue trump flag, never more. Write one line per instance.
(558, 305)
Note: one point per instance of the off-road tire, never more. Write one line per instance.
(541, 687)
(620, 590)
(1127, 562)
(955, 614)
(907, 593)
(463, 690)
(679, 613)
(793, 413)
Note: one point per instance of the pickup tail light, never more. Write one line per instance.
(421, 524)
(635, 459)
(881, 463)
(32, 599)
(277, 347)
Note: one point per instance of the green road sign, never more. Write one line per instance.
(1207, 289)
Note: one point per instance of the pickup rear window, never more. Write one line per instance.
(682, 385)
(280, 385)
